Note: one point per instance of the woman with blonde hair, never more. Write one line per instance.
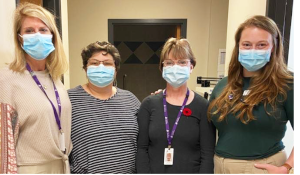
(36, 110)
(250, 107)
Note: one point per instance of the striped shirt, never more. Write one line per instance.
(104, 132)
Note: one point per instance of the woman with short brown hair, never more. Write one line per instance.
(174, 133)
(104, 126)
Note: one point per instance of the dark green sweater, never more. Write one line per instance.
(258, 139)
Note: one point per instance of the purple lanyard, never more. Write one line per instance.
(170, 137)
(56, 94)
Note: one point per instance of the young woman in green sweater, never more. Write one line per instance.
(250, 107)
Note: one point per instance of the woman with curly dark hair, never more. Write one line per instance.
(104, 124)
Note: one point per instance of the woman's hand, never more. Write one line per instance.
(272, 169)
(156, 92)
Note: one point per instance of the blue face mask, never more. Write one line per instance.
(101, 76)
(176, 75)
(37, 45)
(253, 60)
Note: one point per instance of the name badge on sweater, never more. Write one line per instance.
(169, 154)
(62, 145)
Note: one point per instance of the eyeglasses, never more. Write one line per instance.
(105, 63)
(168, 62)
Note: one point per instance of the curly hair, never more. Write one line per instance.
(98, 46)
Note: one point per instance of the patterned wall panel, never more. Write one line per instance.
(132, 45)
(125, 52)
(144, 52)
(153, 60)
(139, 52)
(133, 59)
(155, 45)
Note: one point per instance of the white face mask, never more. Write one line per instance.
(37, 45)
(101, 76)
(176, 75)
(253, 60)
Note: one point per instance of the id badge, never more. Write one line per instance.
(62, 145)
(168, 158)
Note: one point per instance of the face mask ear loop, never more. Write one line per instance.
(20, 41)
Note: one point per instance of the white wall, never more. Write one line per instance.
(6, 32)
(238, 12)
(217, 35)
(288, 140)
(65, 38)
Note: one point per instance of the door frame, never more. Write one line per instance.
(281, 12)
(113, 22)
(54, 6)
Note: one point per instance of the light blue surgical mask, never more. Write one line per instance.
(176, 75)
(253, 60)
(37, 45)
(101, 76)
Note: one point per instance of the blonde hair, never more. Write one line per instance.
(180, 48)
(269, 86)
(56, 62)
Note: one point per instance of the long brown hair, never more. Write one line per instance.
(266, 86)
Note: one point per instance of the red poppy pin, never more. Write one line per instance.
(187, 112)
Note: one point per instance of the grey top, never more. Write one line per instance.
(104, 132)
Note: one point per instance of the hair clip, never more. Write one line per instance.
(230, 96)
